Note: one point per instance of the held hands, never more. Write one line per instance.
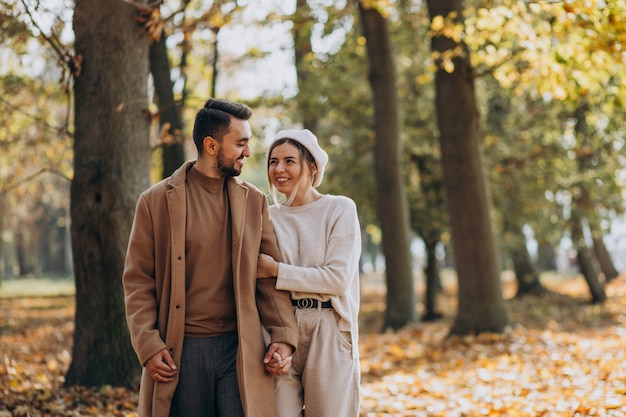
(277, 360)
(161, 367)
(266, 267)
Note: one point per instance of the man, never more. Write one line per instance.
(193, 304)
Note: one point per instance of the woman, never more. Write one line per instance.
(320, 243)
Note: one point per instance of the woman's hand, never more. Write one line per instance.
(266, 266)
(277, 359)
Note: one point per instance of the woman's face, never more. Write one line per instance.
(286, 169)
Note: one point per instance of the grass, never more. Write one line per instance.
(32, 286)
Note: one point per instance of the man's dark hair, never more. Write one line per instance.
(214, 119)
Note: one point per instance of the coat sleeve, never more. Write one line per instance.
(274, 305)
(140, 286)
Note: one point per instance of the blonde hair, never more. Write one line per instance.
(305, 156)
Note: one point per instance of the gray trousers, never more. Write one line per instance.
(207, 385)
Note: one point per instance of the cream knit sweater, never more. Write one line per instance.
(320, 243)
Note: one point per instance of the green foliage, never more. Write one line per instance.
(547, 58)
(345, 126)
(342, 107)
(535, 64)
(421, 142)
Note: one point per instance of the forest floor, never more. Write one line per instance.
(560, 357)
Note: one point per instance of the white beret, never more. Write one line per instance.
(307, 139)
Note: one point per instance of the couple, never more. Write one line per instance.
(205, 277)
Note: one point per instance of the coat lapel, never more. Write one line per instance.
(237, 199)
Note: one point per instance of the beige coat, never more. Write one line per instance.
(154, 287)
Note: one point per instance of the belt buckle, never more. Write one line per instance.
(305, 303)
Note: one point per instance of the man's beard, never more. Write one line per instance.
(227, 167)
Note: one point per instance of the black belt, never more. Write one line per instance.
(310, 303)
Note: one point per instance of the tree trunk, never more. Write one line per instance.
(3, 258)
(390, 191)
(303, 22)
(526, 274)
(585, 259)
(481, 304)
(584, 256)
(604, 258)
(215, 60)
(174, 151)
(429, 204)
(581, 204)
(546, 256)
(371, 251)
(433, 282)
(22, 250)
(111, 168)
(52, 251)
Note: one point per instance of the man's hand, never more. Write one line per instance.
(277, 360)
(161, 367)
(266, 266)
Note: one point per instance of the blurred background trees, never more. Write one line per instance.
(506, 151)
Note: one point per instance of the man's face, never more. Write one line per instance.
(234, 148)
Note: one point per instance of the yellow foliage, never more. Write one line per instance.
(448, 65)
(568, 49)
(437, 23)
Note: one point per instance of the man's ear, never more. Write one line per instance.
(210, 145)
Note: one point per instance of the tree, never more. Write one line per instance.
(603, 256)
(170, 106)
(173, 151)
(481, 305)
(390, 190)
(35, 148)
(568, 56)
(582, 204)
(429, 201)
(337, 104)
(519, 177)
(111, 168)
(422, 165)
(303, 53)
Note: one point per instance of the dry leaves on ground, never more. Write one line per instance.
(35, 353)
(561, 357)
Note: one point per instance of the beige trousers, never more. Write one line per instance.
(324, 378)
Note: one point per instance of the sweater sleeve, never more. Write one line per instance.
(341, 252)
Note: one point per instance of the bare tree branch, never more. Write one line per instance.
(52, 40)
(17, 183)
(58, 129)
